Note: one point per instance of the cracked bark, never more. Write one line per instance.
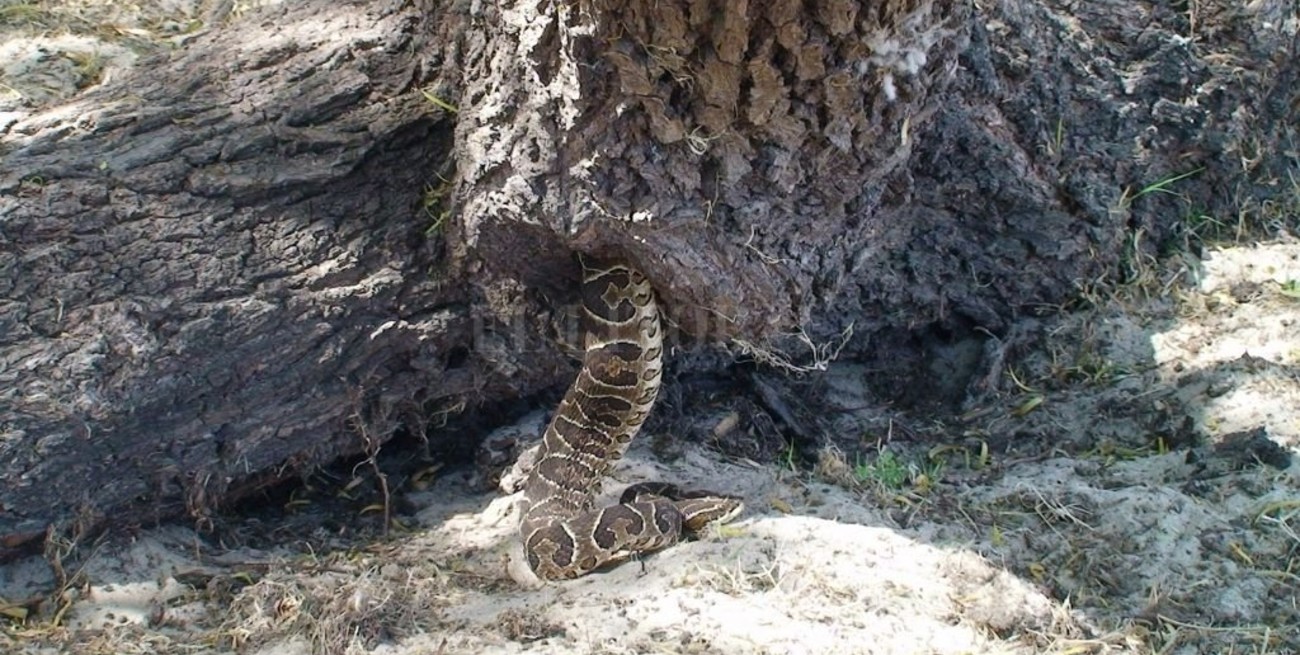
(207, 269)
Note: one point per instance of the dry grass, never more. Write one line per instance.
(137, 23)
(336, 605)
(51, 50)
(1151, 271)
(741, 578)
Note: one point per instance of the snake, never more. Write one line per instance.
(564, 534)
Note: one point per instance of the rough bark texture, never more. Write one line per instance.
(891, 164)
(206, 270)
(204, 274)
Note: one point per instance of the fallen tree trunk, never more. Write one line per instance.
(205, 271)
(210, 277)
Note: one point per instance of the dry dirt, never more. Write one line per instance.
(1137, 492)
(1164, 518)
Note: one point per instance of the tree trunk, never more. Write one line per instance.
(900, 163)
(207, 270)
(210, 278)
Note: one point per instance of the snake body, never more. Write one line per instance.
(564, 535)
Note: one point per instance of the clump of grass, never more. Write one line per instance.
(895, 473)
(89, 68)
(336, 607)
(140, 24)
(745, 576)
(33, 16)
(887, 471)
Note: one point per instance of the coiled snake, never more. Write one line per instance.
(564, 535)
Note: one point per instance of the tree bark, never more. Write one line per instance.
(213, 276)
(207, 270)
(898, 163)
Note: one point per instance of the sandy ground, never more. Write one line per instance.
(1137, 491)
(1101, 530)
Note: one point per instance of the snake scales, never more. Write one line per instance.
(564, 535)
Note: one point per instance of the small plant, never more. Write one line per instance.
(895, 473)
(1200, 228)
(1109, 451)
(433, 202)
(1057, 144)
(887, 469)
(1091, 368)
(790, 458)
(1161, 186)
